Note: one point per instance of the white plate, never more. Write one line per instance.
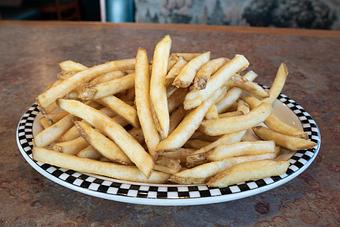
(170, 194)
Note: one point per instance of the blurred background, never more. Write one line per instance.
(318, 14)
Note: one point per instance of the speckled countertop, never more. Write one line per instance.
(29, 53)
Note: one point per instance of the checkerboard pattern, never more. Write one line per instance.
(117, 188)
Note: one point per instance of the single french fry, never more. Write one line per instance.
(248, 171)
(242, 106)
(274, 123)
(176, 99)
(71, 66)
(113, 130)
(175, 70)
(106, 77)
(196, 143)
(212, 168)
(176, 117)
(212, 113)
(224, 140)
(239, 149)
(102, 144)
(195, 97)
(143, 102)
(121, 108)
(249, 86)
(205, 72)
(157, 85)
(54, 117)
(230, 114)
(69, 84)
(233, 94)
(172, 61)
(233, 124)
(117, 171)
(167, 165)
(278, 83)
(189, 124)
(186, 180)
(186, 56)
(89, 152)
(71, 147)
(49, 109)
(52, 133)
(250, 136)
(180, 153)
(108, 88)
(289, 142)
(188, 72)
(44, 122)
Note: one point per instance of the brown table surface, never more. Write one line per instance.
(30, 52)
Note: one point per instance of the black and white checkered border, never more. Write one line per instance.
(113, 187)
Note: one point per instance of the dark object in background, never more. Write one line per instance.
(289, 13)
(90, 10)
(61, 9)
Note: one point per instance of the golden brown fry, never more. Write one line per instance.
(289, 142)
(176, 99)
(186, 180)
(205, 72)
(157, 85)
(250, 136)
(175, 70)
(278, 83)
(167, 165)
(233, 124)
(239, 149)
(230, 114)
(186, 56)
(108, 88)
(233, 94)
(71, 66)
(176, 117)
(113, 130)
(212, 168)
(188, 72)
(117, 171)
(49, 109)
(242, 107)
(249, 86)
(54, 117)
(143, 102)
(121, 108)
(89, 152)
(71, 147)
(52, 133)
(189, 124)
(274, 123)
(180, 153)
(44, 122)
(248, 171)
(102, 144)
(224, 140)
(196, 97)
(69, 84)
(106, 77)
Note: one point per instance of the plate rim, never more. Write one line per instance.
(173, 201)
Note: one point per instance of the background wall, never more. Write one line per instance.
(321, 14)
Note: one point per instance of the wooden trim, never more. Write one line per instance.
(180, 27)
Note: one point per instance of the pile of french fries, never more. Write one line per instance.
(182, 117)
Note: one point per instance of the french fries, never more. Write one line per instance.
(233, 94)
(157, 85)
(248, 171)
(117, 171)
(143, 102)
(195, 97)
(205, 72)
(69, 84)
(233, 124)
(289, 142)
(102, 144)
(108, 88)
(189, 124)
(143, 121)
(113, 130)
(240, 149)
(188, 72)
